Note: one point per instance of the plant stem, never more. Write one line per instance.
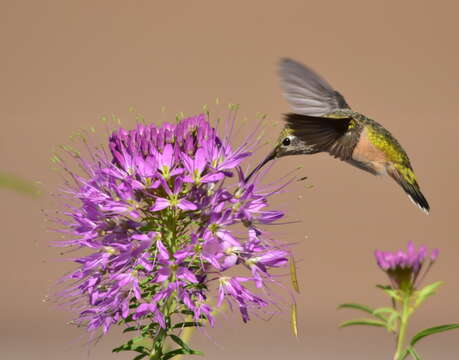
(404, 316)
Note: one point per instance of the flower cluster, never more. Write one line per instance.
(157, 213)
(403, 268)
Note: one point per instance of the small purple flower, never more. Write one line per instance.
(174, 199)
(156, 215)
(232, 287)
(196, 166)
(403, 268)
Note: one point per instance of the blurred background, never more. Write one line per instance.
(65, 64)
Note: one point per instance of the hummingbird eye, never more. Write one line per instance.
(286, 142)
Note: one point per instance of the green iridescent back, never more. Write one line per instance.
(383, 140)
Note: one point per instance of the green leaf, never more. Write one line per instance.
(414, 354)
(383, 287)
(147, 329)
(187, 324)
(384, 310)
(389, 291)
(369, 322)
(131, 328)
(391, 322)
(432, 330)
(390, 318)
(404, 355)
(187, 312)
(132, 345)
(425, 292)
(356, 306)
(181, 343)
(124, 347)
(394, 294)
(141, 356)
(185, 348)
(361, 307)
(176, 352)
(173, 353)
(410, 351)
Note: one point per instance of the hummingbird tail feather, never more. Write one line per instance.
(318, 132)
(411, 187)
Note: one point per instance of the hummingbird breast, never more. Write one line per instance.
(368, 156)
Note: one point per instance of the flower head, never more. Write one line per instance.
(403, 268)
(157, 214)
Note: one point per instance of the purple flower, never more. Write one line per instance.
(233, 288)
(157, 215)
(196, 166)
(174, 199)
(174, 265)
(403, 268)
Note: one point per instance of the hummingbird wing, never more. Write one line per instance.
(334, 136)
(307, 92)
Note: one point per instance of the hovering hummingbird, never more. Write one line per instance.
(322, 121)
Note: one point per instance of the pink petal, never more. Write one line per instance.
(137, 292)
(160, 204)
(212, 177)
(167, 155)
(200, 161)
(163, 254)
(186, 274)
(186, 205)
(163, 274)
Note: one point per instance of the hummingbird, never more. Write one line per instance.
(322, 121)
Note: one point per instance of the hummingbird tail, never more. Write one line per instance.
(409, 184)
(416, 196)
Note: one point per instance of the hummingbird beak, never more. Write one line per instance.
(271, 156)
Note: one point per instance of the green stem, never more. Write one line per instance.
(404, 316)
(157, 347)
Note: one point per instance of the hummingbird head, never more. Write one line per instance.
(289, 144)
(286, 144)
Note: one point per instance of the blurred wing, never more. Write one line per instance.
(307, 92)
(325, 134)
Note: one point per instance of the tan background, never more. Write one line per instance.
(64, 64)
